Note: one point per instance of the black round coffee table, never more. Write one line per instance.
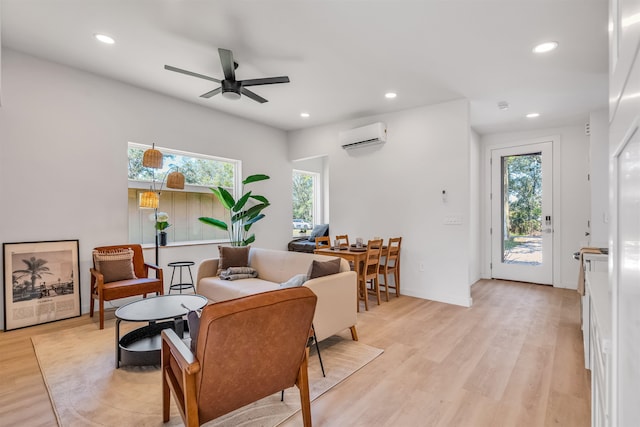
(142, 346)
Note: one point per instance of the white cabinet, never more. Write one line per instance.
(591, 263)
(598, 341)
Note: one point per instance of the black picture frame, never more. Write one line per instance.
(41, 282)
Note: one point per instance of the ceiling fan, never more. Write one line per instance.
(230, 87)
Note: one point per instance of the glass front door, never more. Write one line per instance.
(522, 225)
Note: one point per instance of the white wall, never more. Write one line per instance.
(570, 195)
(599, 171)
(63, 169)
(395, 189)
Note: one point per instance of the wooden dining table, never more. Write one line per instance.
(356, 256)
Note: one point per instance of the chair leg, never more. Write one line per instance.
(315, 339)
(303, 386)
(365, 294)
(166, 393)
(91, 303)
(385, 278)
(101, 307)
(376, 284)
(396, 277)
(354, 333)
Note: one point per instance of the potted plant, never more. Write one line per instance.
(242, 216)
(162, 223)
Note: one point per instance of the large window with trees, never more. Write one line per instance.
(305, 196)
(183, 207)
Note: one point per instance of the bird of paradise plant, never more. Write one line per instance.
(242, 216)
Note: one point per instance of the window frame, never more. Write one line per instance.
(316, 208)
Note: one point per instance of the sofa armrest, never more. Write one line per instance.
(336, 308)
(207, 268)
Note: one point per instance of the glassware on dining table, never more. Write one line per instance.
(336, 244)
(358, 242)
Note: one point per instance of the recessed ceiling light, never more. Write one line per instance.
(305, 115)
(390, 95)
(545, 47)
(104, 38)
(532, 115)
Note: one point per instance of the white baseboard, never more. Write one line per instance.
(440, 297)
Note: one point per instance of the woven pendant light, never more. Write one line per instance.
(175, 180)
(149, 199)
(152, 158)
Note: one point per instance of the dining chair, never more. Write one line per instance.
(370, 271)
(323, 242)
(343, 241)
(391, 264)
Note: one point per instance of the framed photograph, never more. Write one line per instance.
(41, 282)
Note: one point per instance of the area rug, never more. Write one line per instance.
(86, 390)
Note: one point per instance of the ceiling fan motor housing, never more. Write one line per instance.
(231, 89)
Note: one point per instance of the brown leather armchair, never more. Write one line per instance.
(247, 349)
(141, 285)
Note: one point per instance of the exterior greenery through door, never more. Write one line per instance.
(522, 187)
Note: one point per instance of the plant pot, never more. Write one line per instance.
(163, 238)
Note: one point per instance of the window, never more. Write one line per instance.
(184, 207)
(305, 195)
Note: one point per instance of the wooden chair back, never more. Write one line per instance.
(372, 262)
(323, 242)
(391, 265)
(343, 240)
(392, 254)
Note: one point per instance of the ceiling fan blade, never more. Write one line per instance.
(190, 73)
(265, 81)
(226, 59)
(211, 93)
(253, 96)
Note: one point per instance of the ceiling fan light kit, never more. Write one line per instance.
(231, 88)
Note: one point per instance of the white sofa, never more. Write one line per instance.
(337, 293)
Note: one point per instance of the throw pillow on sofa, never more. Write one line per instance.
(324, 268)
(295, 281)
(237, 273)
(114, 264)
(232, 256)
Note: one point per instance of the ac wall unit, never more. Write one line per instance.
(364, 136)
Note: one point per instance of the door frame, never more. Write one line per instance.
(508, 142)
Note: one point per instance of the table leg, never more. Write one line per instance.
(117, 343)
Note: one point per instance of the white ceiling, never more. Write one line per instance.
(341, 55)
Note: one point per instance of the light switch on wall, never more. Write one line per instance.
(453, 220)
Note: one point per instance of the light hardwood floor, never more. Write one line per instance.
(513, 359)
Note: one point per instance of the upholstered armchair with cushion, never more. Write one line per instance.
(120, 272)
(247, 349)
